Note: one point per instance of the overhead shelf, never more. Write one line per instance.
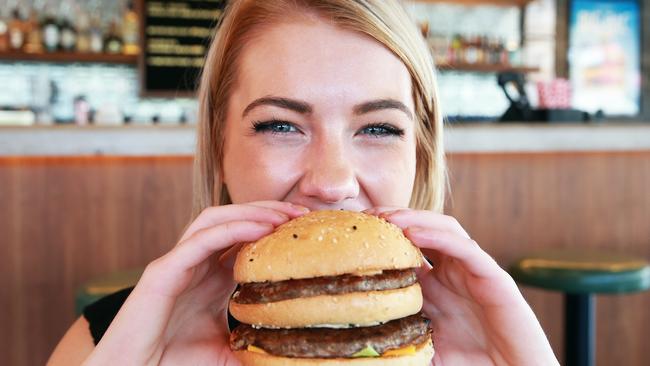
(479, 2)
(70, 57)
(486, 67)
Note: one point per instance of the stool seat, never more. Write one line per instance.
(97, 288)
(583, 271)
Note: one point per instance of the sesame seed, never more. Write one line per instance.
(320, 238)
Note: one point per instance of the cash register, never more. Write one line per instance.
(520, 110)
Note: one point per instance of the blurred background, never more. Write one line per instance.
(547, 104)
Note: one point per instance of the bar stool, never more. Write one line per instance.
(580, 275)
(97, 288)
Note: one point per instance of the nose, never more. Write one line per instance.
(330, 175)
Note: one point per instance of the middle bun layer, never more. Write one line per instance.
(358, 308)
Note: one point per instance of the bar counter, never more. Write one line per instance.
(148, 140)
(81, 202)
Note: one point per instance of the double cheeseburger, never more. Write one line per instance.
(330, 288)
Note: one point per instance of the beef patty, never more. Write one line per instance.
(264, 292)
(332, 343)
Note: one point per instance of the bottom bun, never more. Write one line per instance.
(422, 356)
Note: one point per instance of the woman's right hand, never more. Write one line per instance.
(177, 313)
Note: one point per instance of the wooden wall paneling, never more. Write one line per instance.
(72, 219)
(514, 204)
(65, 220)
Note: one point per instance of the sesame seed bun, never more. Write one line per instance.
(303, 247)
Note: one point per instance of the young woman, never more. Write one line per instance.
(310, 105)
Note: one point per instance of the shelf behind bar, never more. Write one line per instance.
(478, 2)
(69, 57)
(481, 67)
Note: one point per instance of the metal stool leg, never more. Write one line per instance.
(579, 329)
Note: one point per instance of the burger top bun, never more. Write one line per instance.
(326, 243)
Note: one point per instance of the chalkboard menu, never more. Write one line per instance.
(176, 39)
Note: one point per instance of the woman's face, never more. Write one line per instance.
(320, 117)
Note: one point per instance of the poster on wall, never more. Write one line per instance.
(604, 56)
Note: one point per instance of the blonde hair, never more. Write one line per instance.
(384, 20)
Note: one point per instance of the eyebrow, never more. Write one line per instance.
(286, 103)
(305, 108)
(377, 105)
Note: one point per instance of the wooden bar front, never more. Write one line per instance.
(65, 220)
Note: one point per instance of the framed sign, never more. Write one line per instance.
(604, 56)
(175, 39)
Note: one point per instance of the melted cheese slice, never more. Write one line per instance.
(408, 350)
(255, 349)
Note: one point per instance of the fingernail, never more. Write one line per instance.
(387, 213)
(300, 208)
(415, 230)
(265, 225)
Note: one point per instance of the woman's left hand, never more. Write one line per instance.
(478, 315)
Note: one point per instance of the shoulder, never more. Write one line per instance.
(81, 338)
(74, 347)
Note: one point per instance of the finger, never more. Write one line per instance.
(227, 258)
(169, 274)
(376, 211)
(423, 218)
(464, 250)
(290, 209)
(272, 212)
(213, 239)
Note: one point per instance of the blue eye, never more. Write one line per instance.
(381, 129)
(274, 126)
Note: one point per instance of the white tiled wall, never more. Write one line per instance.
(115, 88)
(112, 90)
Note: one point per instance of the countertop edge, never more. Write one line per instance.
(180, 140)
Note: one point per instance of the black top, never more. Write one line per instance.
(101, 313)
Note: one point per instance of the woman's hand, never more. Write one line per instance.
(177, 313)
(478, 315)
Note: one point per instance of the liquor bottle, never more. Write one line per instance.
(482, 50)
(68, 36)
(83, 32)
(16, 31)
(34, 43)
(4, 33)
(131, 31)
(504, 57)
(51, 33)
(96, 36)
(113, 43)
(456, 49)
(470, 50)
